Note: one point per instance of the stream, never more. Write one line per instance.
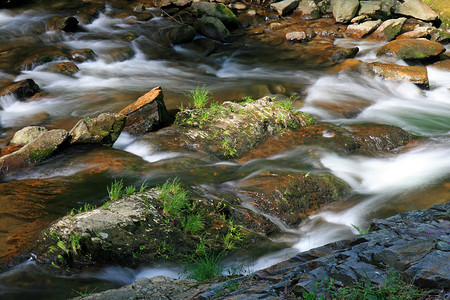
(416, 177)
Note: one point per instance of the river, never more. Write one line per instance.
(414, 178)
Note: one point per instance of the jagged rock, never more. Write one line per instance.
(35, 151)
(411, 49)
(217, 10)
(82, 55)
(213, 28)
(416, 9)
(388, 30)
(417, 75)
(308, 8)
(344, 10)
(22, 90)
(147, 113)
(27, 134)
(284, 7)
(370, 8)
(344, 53)
(65, 68)
(182, 34)
(67, 24)
(358, 31)
(104, 129)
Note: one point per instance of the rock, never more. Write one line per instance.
(349, 65)
(388, 7)
(43, 57)
(67, 24)
(370, 8)
(344, 10)
(411, 49)
(309, 8)
(297, 36)
(217, 10)
(178, 3)
(146, 114)
(417, 75)
(358, 31)
(416, 9)
(388, 30)
(26, 135)
(419, 32)
(442, 65)
(442, 8)
(82, 55)
(35, 151)
(119, 54)
(284, 7)
(238, 6)
(344, 53)
(104, 129)
(213, 28)
(182, 34)
(440, 36)
(22, 90)
(65, 68)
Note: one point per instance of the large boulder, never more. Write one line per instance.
(182, 34)
(388, 30)
(411, 49)
(35, 151)
(217, 10)
(344, 10)
(147, 113)
(415, 74)
(104, 129)
(22, 90)
(213, 28)
(416, 9)
(358, 31)
(284, 7)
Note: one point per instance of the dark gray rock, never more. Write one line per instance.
(213, 28)
(22, 90)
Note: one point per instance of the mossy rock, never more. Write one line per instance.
(442, 8)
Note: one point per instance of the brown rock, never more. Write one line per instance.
(22, 90)
(419, 32)
(388, 30)
(416, 9)
(82, 55)
(67, 24)
(147, 113)
(417, 75)
(415, 49)
(296, 36)
(343, 53)
(65, 68)
(350, 64)
(442, 65)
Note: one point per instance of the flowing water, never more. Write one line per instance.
(414, 178)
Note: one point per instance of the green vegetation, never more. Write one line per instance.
(229, 149)
(199, 97)
(129, 190)
(207, 266)
(85, 207)
(41, 155)
(175, 199)
(86, 292)
(360, 231)
(115, 190)
(194, 223)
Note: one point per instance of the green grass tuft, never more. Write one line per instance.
(207, 267)
(115, 190)
(199, 97)
(174, 197)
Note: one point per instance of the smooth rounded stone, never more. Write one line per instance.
(119, 54)
(369, 8)
(344, 53)
(217, 10)
(238, 6)
(65, 68)
(297, 36)
(182, 34)
(388, 30)
(27, 134)
(308, 7)
(416, 9)
(284, 7)
(358, 31)
(348, 65)
(344, 10)
(67, 24)
(22, 90)
(411, 49)
(417, 75)
(419, 32)
(82, 55)
(442, 65)
(213, 28)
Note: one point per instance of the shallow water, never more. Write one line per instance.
(414, 178)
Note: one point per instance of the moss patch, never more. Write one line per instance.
(41, 155)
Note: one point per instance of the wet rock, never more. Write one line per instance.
(21, 90)
(119, 54)
(442, 8)
(419, 32)
(348, 65)
(344, 53)
(27, 134)
(43, 57)
(440, 36)
(67, 24)
(182, 34)
(417, 75)
(370, 8)
(213, 28)
(358, 31)
(217, 10)
(82, 55)
(284, 7)
(416, 9)
(308, 8)
(297, 36)
(411, 49)
(178, 3)
(65, 68)
(146, 114)
(35, 151)
(442, 65)
(388, 30)
(344, 10)
(104, 129)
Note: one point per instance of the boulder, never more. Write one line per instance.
(119, 54)
(297, 36)
(358, 31)
(35, 151)
(82, 55)
(26, 135)
(370, 8)
(66, 68)
(388, 30)
(44, 56)
(417, 75)
(284, 7)
(416, 9)
(442, 8)
(104, 129)
(411, 49)
(440, 36)
(419, 32)
(308, 8)
(344, 10)
(213, 28)
(217, 10)
(344, 53)
(182, 34)
(146, 114)
(22, 90)
(67, 24)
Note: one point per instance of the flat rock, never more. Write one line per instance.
(411, 49)
(388, 30)
(417, 75)
(358, 31)
(344, 10)
(284, 7)
(416, 9)
(369, 8)
(442, 65)
(296, 36)
(27, 134)
(419, 32)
